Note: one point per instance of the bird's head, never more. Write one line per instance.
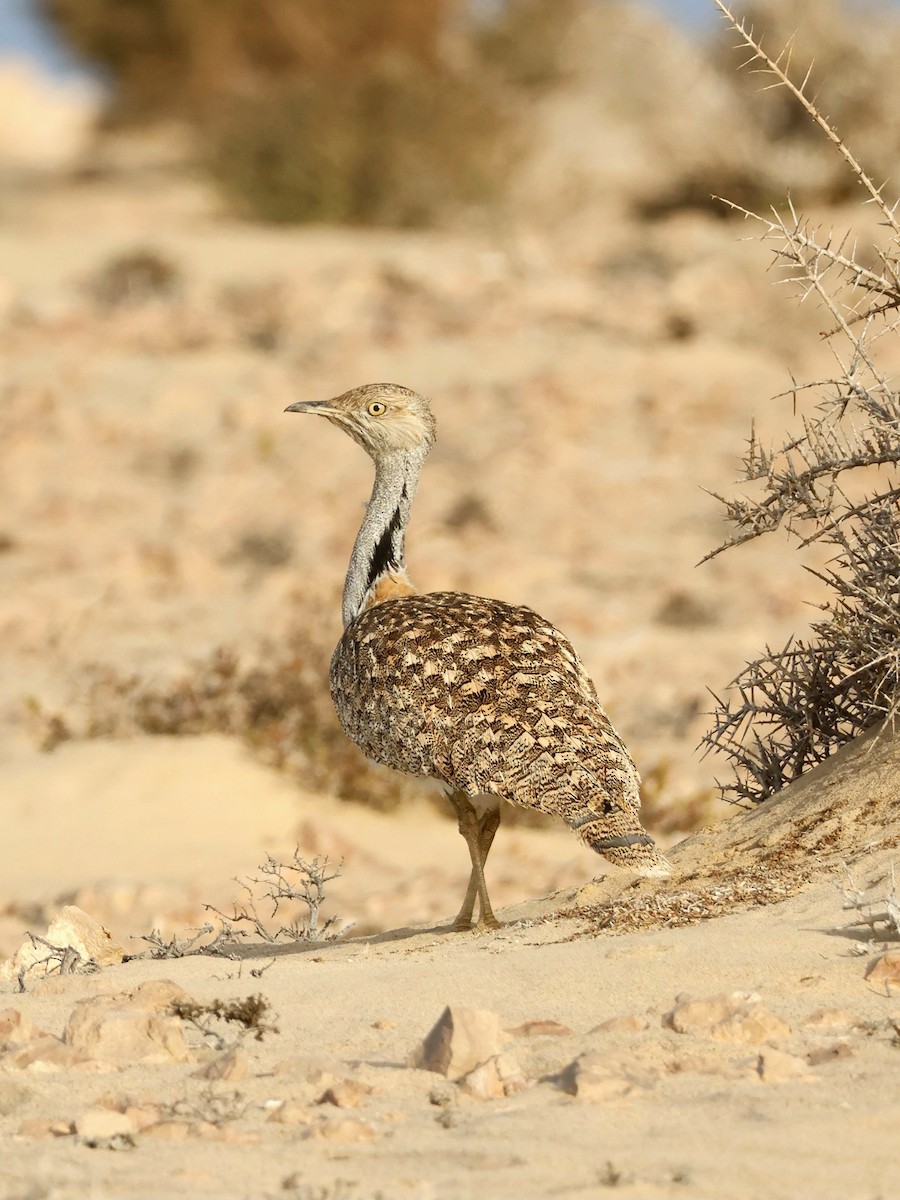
(383, 417)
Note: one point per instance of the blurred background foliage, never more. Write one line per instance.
(329, 110)
(408, 112)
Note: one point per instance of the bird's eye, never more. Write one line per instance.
(375, 408)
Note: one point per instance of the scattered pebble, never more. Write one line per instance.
(777, 1066)
(461, 1040)
(540, 1029)
(886, 969)
(345, 1093)
(630, 1023)
(499, 1076)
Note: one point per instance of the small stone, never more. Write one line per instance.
(16, 1030)
(540, 1029)
(232, 1065)
(499, 1076)
(344, 1129)
(777, 1066)
(44, 1054)
(142, 1116)
(120, 1029)
(461, 1039)
(698, 1016)
(752, 1026)
(156, 995)
(728, 1017)
(97, 1124)
(345, 1093)
(72, 928)
(591, 1078)
(291, 1112)
(631, 1023)
(384, 1024)
(886, 970)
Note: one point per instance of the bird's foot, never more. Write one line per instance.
(461, 925)
(486, 924)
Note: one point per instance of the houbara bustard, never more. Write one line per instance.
(486, 696)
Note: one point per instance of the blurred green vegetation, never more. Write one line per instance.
(394, 113)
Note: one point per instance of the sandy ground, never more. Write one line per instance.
(764, 1104)
(155, 505)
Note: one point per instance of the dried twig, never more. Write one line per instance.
(246, 1015)
(792, 708)
(296, 881)
(880, 917)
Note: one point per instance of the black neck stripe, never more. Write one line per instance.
(383, 554)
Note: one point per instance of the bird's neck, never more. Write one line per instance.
(377, 565)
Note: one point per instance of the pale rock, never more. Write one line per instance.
(544, 1028)
(231, 1065)
(729, 1017)
(343, 1129)
(590, 1077)
(499, 1076)
(698, 1016)
(384, 1024)
(752, 1026)
(156, 995)
(461, 1039)
(777, 1066)
(630, 1023)
(345, 1093)
(43, 1055)
(15, 1029)
(119, 1029)
(96, 1124)
(142, 1116)
(72, 928)
(291, 1112)
(886, 970)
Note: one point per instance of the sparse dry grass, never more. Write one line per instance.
(278, 702)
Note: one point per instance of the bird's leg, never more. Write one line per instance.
(479, 834)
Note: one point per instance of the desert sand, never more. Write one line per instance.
(590, 380)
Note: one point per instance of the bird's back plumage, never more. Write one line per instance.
(487, 696)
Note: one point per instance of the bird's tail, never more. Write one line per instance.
(619, 836)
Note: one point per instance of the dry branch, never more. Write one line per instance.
(792, 708)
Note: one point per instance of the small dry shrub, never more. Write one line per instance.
(133, 277)
(836, 482)
(393, 113)
(396, 146)
(277, 701)
(850, 52)
(247, 1015)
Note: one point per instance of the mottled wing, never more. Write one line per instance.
(489, 697)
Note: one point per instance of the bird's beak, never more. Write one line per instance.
(320, 407)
